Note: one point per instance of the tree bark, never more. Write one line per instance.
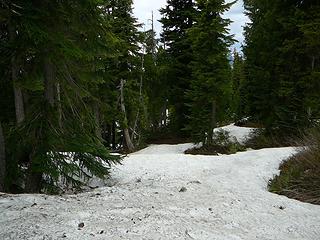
(34, 178)
(59, 104)
(213, 124)
(126, 133)
(18, 96)
(313, 63)
(163, 120)
(97, 120)
(49, 81)
(114, 132)
(140, 102)
(33, 184)
(214, 115)
(2, 161)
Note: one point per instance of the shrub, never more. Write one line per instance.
(300, 175)
(222, 144)
(260, 138)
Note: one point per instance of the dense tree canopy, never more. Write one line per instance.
(282, 70)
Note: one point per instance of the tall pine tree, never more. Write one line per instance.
(177, 19)
(210, 85)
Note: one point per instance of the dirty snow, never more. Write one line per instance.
(160, 193)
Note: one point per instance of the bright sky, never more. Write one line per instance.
(143, 9)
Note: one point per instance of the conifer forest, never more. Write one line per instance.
(83, 84)
(81, 77)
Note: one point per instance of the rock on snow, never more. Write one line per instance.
(224, 198)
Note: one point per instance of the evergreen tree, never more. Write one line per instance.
(280, 68)
(177, 18)
(210, 85)
(262, 38)
(238, 101)
(51, 51)
(155, 77)
(126, 70)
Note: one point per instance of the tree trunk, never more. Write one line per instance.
(214, 115)
(97, 120)
(33, 184)
(140, 102)
(34, 178)
(114, 135)
(313, 63)
(126, 133)
(18, 96)
(59, 105)
(213, 124)
(18, 101)
(49, 81)
(164, 115)
(2, 160)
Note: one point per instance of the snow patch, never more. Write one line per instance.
(226, 198)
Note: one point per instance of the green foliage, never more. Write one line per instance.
(280, 66)
(261, 138)
(238, 96)
(300, 175)
(59, 52)
(177, 19)
(222, 143)
(210, 90)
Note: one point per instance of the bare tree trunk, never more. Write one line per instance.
(140, 97)
(2, 160)
(59, 104)
(163, 120)
(213, 124)
(313, 62)
(18, 101)
(113, 140)
(18, 96)
(49, 81)
(33, 182)
(97, 120)
(126, 133)
(214, 115)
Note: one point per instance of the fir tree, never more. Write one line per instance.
(238, 101)
(280, 68)
(177, 18)
(127, 71)
(210, 86)
(54, 68)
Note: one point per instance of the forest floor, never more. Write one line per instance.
(161, 193)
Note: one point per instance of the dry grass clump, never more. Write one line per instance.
(300, 175)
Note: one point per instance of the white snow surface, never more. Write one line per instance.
(240, 133)
(224, 198)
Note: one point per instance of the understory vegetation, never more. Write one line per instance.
(300, 175)
(261, 138)
(222, 143)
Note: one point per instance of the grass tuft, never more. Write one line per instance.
(300, 174)
(260, 139)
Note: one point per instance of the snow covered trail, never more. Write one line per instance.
(160, 193)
